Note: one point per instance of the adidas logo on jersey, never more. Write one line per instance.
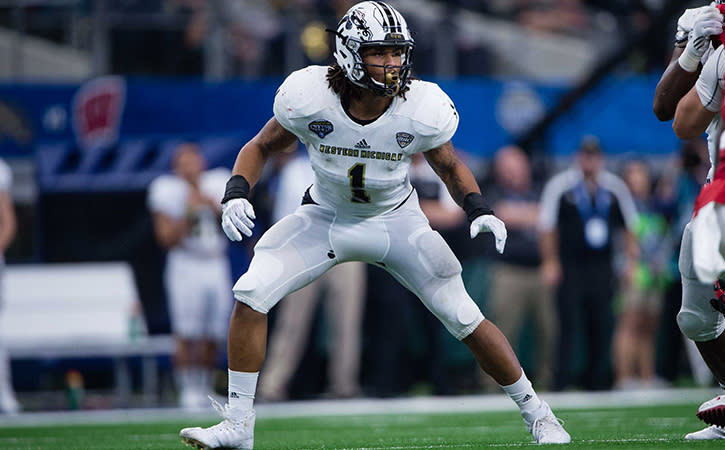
(362, 144)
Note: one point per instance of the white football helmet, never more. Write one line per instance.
(371, 24)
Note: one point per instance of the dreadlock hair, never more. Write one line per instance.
(342, 86)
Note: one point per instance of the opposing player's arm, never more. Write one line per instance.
(455, 175)
(691, 117)
(673, 85)
(272, 138)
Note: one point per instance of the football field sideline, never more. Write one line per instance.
(364, 406)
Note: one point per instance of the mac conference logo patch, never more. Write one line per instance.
(321, 127)
(404, 139)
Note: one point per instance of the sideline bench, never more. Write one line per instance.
(77, 311)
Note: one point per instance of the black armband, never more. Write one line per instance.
(237, 187)
(474, 206)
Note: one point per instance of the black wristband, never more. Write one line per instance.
(474, 206)
(237, 187)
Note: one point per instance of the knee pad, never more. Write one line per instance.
(256, 285)
(443, 292)
(691, 324)
(455, 308)
(697, 319)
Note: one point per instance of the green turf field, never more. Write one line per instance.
(621, 428)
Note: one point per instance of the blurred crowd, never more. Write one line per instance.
(228, 38)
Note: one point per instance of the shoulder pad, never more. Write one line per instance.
(302, 94)
(430, 108)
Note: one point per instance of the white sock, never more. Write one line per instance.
(242, 386)
(523, 394)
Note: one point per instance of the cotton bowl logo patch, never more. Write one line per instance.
(404, 139)
(321, 127)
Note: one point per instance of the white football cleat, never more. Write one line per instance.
(545, 427)
(706, 434)
(712, 412)
(236, 431)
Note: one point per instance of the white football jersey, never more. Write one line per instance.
(709, 88)
(168, 195)
(362, 170)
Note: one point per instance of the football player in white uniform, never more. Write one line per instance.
(185, 207)
(362, 120)
(696, 112)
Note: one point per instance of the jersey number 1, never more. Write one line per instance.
(356, 174)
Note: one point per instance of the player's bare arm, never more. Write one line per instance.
(238, 214)
(455, 175)
(695, 29)
(272, 138)
(463, 188)
(673, 85)
(691, 118)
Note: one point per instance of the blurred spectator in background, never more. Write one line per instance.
(634, 338)
(186, 207)
(518, 292)
(564, 16)
(343, 287)
(8, 228)
(407, 336)
(581, 208)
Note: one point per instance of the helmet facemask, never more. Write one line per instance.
(374, 24)
(395, 77)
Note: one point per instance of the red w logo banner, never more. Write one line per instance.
(97, 111)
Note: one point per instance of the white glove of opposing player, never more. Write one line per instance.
(686, 23)
(709, 22)
(237, 216)
(488, 222)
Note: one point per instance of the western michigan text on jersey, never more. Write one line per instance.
(355, 153)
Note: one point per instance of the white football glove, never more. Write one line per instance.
(707, 23)
(686, 23)
(488, 222)
(237, 216)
